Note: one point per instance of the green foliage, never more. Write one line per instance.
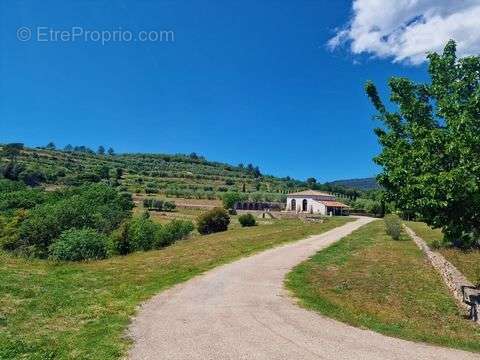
(213, 221)
(12, 150)
(104, 172)
(23, 199)
(9, 186)
(370, 206)
(247, 220)
(32, 177)
(431, 146)
(172, 231)
(142, 234)
(230, 198)
(79, 244)
(9, 234)
(158, 205)
(97, 206)
(393, 226)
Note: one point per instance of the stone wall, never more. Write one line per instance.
(452, 277)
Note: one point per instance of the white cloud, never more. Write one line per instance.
(405, 30)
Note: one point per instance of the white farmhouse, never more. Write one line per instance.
(314, 202)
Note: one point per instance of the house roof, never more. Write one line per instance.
(333, 204)
(310, 193)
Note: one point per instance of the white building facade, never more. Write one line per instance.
(315, 202)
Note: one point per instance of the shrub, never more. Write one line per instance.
(172, 231)
(96, 206)
(22, 199)
(169, 206)
(158, 205)
(10, 186)
(230, 198)
(141, 233)
(79, 244)
(151, 188)
(215, 220)
(393, 226)
(247, 220)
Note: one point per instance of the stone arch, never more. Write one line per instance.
(304, 205)
(293, 205)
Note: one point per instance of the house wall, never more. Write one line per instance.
(313, 206)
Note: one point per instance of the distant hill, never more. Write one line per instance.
(357, 184)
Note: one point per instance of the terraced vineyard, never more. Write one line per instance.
(174, 176)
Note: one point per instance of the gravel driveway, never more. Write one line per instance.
(241, 311)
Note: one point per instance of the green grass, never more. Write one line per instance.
(81, 310)
(467, 261)
(370, 281)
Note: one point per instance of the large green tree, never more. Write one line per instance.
(431, 145)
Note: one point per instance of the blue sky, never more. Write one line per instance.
(249, 81)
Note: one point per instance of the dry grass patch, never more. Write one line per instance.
(371, 281)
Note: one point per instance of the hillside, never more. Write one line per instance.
(182, 176)
(187, 176)
(363, 184)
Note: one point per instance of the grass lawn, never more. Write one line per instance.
(371, 281)
(81, 310)
(468, 261)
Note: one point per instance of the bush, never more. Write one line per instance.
(247, 220)
(230, 198)
(158, 205)
(215, 220)
(171, 232)
(169, 206)
(79, 244)
(393, 226)
(10, 186)
(141, 233)
(97, 206)
(22, 199)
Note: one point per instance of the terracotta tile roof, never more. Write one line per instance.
(310, 193)
(333, 204)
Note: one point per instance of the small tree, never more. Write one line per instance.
(393, 226)
(230, 198)
(311, 181)
(104, 172)
(101, 150)
(111, 152)
(215, 220)
(431, 147)
(50, 146)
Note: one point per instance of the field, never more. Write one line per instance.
(371, 281)
(467, 261)
(81, 310)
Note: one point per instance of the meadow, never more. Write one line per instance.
(66, 310)
(371, 281)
